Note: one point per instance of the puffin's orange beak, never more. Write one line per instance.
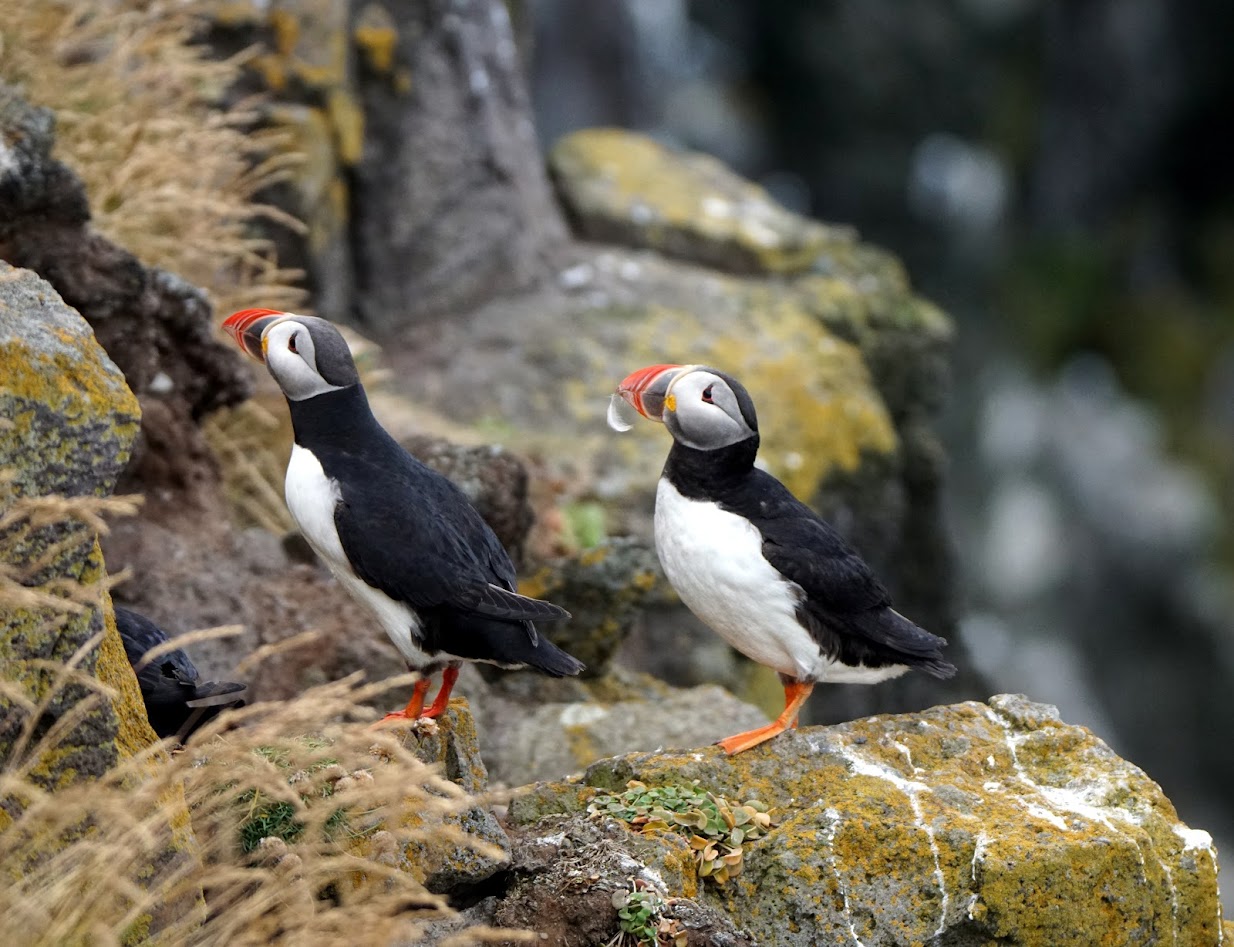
(646, 389)
(246, 327)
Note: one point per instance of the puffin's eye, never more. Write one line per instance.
(291, 344)
(707, 394)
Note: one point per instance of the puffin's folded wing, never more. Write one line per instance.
(450, 559)
(495, 602)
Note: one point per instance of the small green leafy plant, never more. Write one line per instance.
(640, 914)
(716, 828)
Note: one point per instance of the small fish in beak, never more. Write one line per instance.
(247, 326)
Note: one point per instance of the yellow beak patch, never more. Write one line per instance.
(670, 402)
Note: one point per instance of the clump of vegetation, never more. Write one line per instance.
(171, 169)
(717, 829)
(640, 915)
(224, 842)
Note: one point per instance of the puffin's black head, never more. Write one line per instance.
(306, 356)
(702, 407)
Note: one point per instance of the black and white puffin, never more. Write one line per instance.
(177, 700)
(401, 538)
(755, 564)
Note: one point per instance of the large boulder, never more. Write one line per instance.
(69, 424)
(972, 823)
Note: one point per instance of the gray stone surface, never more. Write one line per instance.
(553, 740)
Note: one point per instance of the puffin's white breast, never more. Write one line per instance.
(311, 498)
(714, 559)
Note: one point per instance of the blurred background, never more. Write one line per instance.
(1057, 178)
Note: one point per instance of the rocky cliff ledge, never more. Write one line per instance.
(970, 824)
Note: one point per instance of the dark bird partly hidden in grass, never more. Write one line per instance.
(401, 538)
(754, 563)
(177, 700)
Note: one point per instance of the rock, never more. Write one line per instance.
(556, 739)
(200, 573)
(362, 92)
(440, 862)
(494, 479)
(621, 187)
(157, 328)
(565, 874)
(971, 823)
(604, 589)
(69, 424)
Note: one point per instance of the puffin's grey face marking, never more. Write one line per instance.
(307, 357)
(707, 410)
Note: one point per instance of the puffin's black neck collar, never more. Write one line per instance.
(706, 473)
(332, 416)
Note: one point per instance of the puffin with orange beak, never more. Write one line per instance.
(755, 564)
(401, 538)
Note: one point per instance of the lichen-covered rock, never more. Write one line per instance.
(973, 823)
(361, 89)
(442, 862)
(604, 588)
(69, 424)
(622, 187)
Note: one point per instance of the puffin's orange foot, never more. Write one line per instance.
(394, 717)
(795, 694)
(751, 738)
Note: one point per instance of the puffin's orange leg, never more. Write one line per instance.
(414, 707)
(795, 694)
(442, 700)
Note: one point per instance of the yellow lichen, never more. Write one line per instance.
(666, 195)
(376, 34)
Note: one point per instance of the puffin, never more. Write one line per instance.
(753, 562)
(177, 700)
(402, 539)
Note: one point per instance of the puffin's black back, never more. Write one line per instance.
(413, 534)
(171, 687)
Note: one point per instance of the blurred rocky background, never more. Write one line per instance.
(1042, 473)
(1055, 176)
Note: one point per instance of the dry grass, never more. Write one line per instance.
(170, 175)
(280, 823)
(252, 446)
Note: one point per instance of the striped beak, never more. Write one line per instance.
(646, 389)
(247, 326)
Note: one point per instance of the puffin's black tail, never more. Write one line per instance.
(499, 641)
(912, 644)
